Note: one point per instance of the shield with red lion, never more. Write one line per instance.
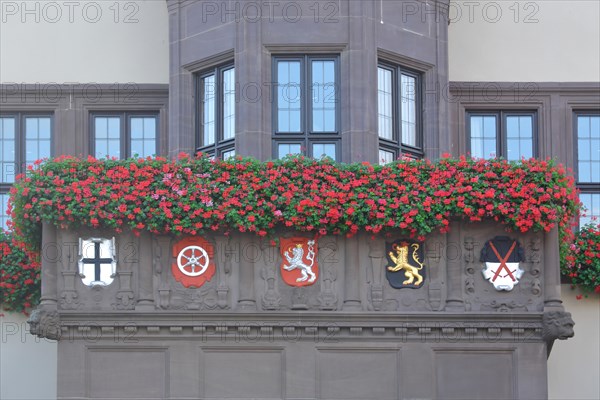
(299, 265)
(193, 265)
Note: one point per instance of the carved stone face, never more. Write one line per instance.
(558, 325)
(45, 324)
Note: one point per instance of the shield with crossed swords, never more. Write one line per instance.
(193, 265)
(501, 256)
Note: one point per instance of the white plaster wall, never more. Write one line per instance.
(84, 41)
(524, 40)
(27, 363)
(574, 364)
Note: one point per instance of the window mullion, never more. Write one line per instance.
(305, 92)
(125, 126)
(218, 109)
(397, 107)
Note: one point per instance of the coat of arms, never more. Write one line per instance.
(193, 264)
(97, 261)
(501, 256)
(299, 265)
(405, 268)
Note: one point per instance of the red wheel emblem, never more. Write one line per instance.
(193, 261)
(194, 264)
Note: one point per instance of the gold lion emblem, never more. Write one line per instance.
(400, 259)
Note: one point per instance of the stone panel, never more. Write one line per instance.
(127, 372)
(242, 373)
(357, 373)
(471, 374)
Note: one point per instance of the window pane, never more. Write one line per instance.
(408, 87)
(284, 149)
(386, 157)
(143, 136)
(320, 150)
(3, 212)
(228, 154)
(37, 139)
(8, 167)
(107, 135)
(324, 100)
(228, 104)
(591, 202)
(519, 137)
(289, 96)
(588, 148)
(595, 126)
(208, 110)
(384, 103)
(483, 136)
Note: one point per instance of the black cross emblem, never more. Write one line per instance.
(97, 261)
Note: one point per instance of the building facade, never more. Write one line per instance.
(352, 80)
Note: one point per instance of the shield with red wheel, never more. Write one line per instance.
(193, 265)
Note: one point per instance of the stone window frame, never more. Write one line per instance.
(501, 135)
(221, 147)
(125, 128)
(591, 187)
(20, 148)
(396, 146)
(306, 139)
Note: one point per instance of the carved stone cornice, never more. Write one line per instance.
(414, 327)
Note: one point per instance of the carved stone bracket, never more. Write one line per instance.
(557, 325)
(45, 324)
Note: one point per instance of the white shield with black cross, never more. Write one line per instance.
(97, 261)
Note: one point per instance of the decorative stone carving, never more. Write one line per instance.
(164, 295)
(557, 325)
(504, 306)
(125, 296)
(45, 324)
(69, 298)
(536, 287)
(204, 298)
(223, 271)
(299, 299)
(161, 259)
(470, 285)
(271, 300)
(328, 298)
(469, 245)
(535, 256)
(222, 296)
(374, 273)
(433, 252)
